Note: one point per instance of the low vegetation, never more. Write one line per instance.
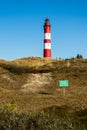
(31, 99)
(54, 118)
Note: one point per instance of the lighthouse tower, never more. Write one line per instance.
(47, 39)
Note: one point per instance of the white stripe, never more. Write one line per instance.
(47, 36)
(47, 46)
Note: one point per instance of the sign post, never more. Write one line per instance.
(63, 84)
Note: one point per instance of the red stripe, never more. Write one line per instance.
(47, 41)
(47, 53)
(47, 29)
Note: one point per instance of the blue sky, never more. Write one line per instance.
(21, 28)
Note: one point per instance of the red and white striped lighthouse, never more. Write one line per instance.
(47, 39)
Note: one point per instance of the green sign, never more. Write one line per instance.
(63, 83)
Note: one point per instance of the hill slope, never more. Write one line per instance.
(33, 83)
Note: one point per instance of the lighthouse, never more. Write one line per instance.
(47, 39)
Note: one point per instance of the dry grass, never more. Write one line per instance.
(41, 76)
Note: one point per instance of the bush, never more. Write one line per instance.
(10, 119)
(79, 56)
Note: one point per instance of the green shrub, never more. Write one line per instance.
(10, 119)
